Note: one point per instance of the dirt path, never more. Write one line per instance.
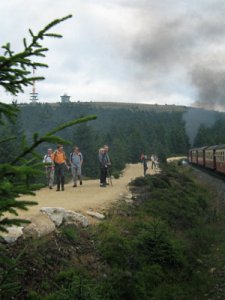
(85, 197)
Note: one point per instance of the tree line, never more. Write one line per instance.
(211, 135)
(128, 132)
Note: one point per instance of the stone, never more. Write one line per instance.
(95, 215)
(40, 225)
(129, 201)
(56, 214)
(129, 196)
(14, 232)
(72, 217)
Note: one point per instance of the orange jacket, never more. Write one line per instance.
(59, 157)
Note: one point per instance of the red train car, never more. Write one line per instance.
(210, 158)
(193, 156)
(201, 156)
(197, 156)
(220, 158)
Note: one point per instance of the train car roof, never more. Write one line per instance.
(198, 148)
(213, 147)
(218, 147)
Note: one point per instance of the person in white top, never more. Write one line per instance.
(49, 168)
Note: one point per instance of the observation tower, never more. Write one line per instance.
(65, 98)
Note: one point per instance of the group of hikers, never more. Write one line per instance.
(56, 163)
(154, 162)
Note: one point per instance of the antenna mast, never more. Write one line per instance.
(33, 95)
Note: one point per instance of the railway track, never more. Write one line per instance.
(213, 179)
(209, 171)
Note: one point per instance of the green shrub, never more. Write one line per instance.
(116, 174)
(70, 232)
(114, 247)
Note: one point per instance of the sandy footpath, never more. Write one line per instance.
(85, 197)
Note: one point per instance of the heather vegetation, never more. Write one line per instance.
(161, 246)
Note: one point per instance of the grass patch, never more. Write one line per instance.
(71, 233)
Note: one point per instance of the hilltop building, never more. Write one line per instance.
(65, 98)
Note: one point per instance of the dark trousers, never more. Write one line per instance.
(103, 175)
(60, 177)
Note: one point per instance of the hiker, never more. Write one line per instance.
(59, 158)
(156, 160)
(108, 163)
(49, 167)
(153, 161)
(76, 161)
(145, 164)
(103, 166)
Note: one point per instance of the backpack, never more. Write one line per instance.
(45, 159)
(71, 156)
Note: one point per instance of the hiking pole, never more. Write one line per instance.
(109, 176)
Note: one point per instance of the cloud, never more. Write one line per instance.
(137, 50)
(210, 83)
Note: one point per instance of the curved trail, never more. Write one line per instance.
(85, 197)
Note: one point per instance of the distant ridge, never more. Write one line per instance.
(118, 105)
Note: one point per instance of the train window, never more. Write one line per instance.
(220, 156)
(209, 155)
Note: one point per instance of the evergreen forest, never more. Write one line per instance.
(129, 130)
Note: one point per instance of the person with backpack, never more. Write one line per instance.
(145, 164)
(105, 163)
(76, 161)
(59, 158)
(49, 167)
(144, 160)
(108, 163)
(103, 166)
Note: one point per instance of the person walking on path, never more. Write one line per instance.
(145, 164)
(108, 162)
(49, 167)
(153, 161)
(103, 166)
(76, 161)
(105, 163)
(59, 158)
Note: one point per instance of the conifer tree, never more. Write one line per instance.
(15, 174)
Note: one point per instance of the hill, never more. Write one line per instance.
(129, 130)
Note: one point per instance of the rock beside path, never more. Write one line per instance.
(95, 215)
(56, 214)
(72, 217)
(60, 215)
(14, 232)
(40, 225)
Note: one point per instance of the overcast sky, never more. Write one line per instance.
(142, 51)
